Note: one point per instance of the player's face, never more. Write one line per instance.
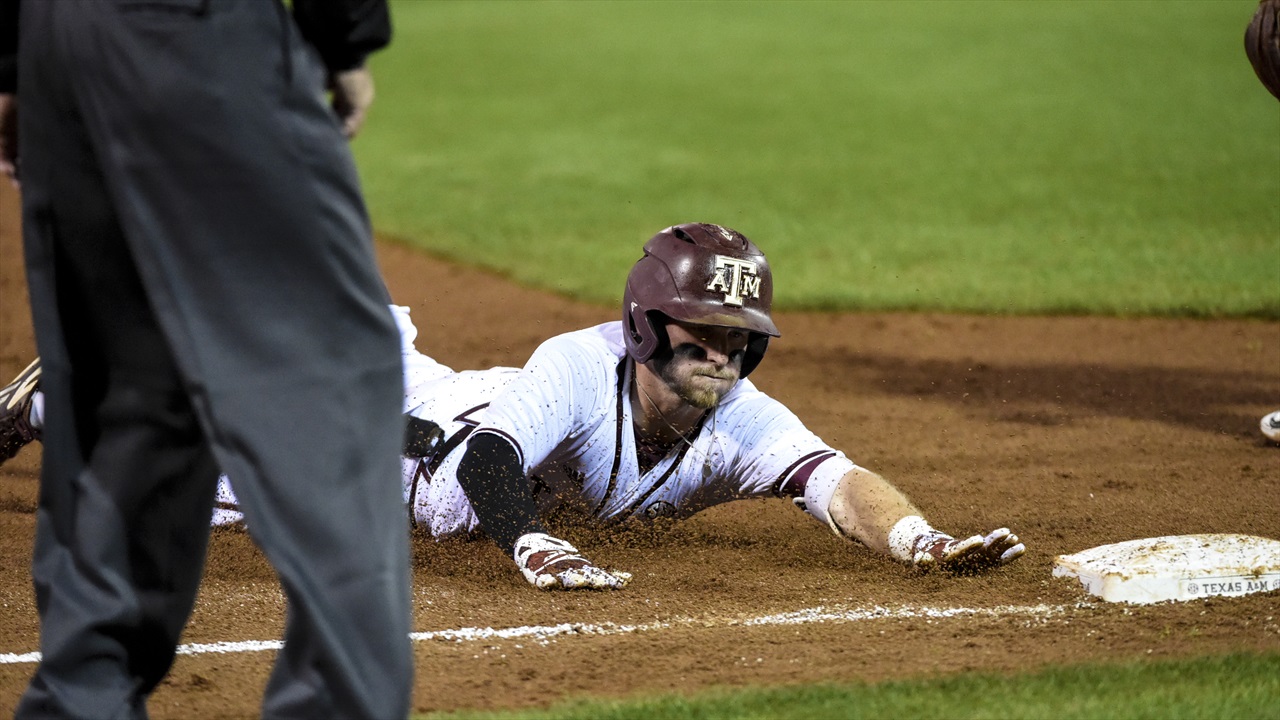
(705, 362)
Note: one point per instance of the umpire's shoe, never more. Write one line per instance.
(15, 411)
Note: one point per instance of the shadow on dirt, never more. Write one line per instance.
(1051, 395)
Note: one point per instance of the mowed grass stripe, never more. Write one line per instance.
(1240, 686)
(1008, 157)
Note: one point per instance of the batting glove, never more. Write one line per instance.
(550, 563)
(967, 555)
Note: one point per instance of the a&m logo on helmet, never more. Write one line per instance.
(738, 279)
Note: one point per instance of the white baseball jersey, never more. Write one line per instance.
(568, 413)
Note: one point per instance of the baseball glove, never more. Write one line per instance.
(1262, 44)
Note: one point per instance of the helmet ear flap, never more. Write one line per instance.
(658, 330)
(756, 346)
(645, 333)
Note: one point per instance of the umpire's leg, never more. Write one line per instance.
(240, 202)
(127, 478)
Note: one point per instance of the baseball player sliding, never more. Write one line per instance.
(651, 416)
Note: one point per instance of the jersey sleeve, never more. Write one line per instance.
(420, 370)
(344, 32)
(8, 46)
(552, 396)
(775, 455)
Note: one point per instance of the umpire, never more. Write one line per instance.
(205, 296)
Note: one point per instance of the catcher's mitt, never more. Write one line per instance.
(1262, 44)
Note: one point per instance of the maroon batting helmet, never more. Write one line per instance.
(701, 274)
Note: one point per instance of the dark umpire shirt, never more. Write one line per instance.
(344, 32)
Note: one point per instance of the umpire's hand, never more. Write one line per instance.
(9, 137)
(352, 96)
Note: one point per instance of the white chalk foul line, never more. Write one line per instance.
(546, 633)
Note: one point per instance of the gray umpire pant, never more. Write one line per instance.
(205, 296)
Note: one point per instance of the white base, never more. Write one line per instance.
(1176, 567)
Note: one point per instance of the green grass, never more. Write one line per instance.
(1236, 686)
(1022, 157)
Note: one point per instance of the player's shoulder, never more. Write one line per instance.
(745, 392)
(751, 406)
(601, 343)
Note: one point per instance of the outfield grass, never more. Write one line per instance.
(1023, 157)
(1239, 687)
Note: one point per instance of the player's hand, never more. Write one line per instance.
(967, 555)
(352, 96)
(550, 563)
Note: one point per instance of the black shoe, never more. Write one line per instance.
(15, 412)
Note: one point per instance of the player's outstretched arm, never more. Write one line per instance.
(866, 508)
(492, 477)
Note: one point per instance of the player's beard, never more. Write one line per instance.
(697, 383)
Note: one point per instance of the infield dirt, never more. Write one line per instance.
(1073, 431)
